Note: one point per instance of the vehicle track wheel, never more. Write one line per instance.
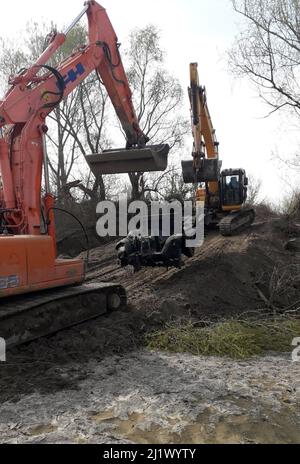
(114, 302)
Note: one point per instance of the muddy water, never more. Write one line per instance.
(279, 428)
(154, 398)
(236, 430)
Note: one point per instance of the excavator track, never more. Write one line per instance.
(27, 318)
(236, 222)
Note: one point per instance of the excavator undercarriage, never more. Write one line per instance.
(235, 222)
(28, 317)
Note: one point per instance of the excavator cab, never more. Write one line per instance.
(233, 189)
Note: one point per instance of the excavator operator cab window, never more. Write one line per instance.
(231, 188)
(232, 182)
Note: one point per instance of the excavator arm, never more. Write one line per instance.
(225, 193)
(206, 164)
(202, 126)
(33, 95)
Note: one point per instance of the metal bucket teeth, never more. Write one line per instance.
(151, 158)
(210, 171)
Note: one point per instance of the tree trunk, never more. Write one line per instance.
(137, 192)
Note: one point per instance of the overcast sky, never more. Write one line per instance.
(192, 30)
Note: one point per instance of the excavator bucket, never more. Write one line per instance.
(209, 172)
(123, 161)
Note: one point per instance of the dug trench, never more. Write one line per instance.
(101, 367)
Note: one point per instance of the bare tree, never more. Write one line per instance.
(86, 123)
(268, 50)
(175, 188)
(254, 190)
(157, 97)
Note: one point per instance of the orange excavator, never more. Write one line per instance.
(40, 294)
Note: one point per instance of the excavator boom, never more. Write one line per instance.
(205, 166)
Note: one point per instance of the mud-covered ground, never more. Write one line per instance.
(95, 382)
(152, 398)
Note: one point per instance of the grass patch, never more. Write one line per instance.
(235, 339)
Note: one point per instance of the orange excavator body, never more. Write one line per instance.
(28, 264)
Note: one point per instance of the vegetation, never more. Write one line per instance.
(238, 339)
(291, 206)
(157, 97)
(267, 52)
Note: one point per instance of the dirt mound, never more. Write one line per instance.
(230, 275)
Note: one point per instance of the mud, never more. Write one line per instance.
(90, 384)
(155, 398)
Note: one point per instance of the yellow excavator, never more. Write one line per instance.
(224, 193)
